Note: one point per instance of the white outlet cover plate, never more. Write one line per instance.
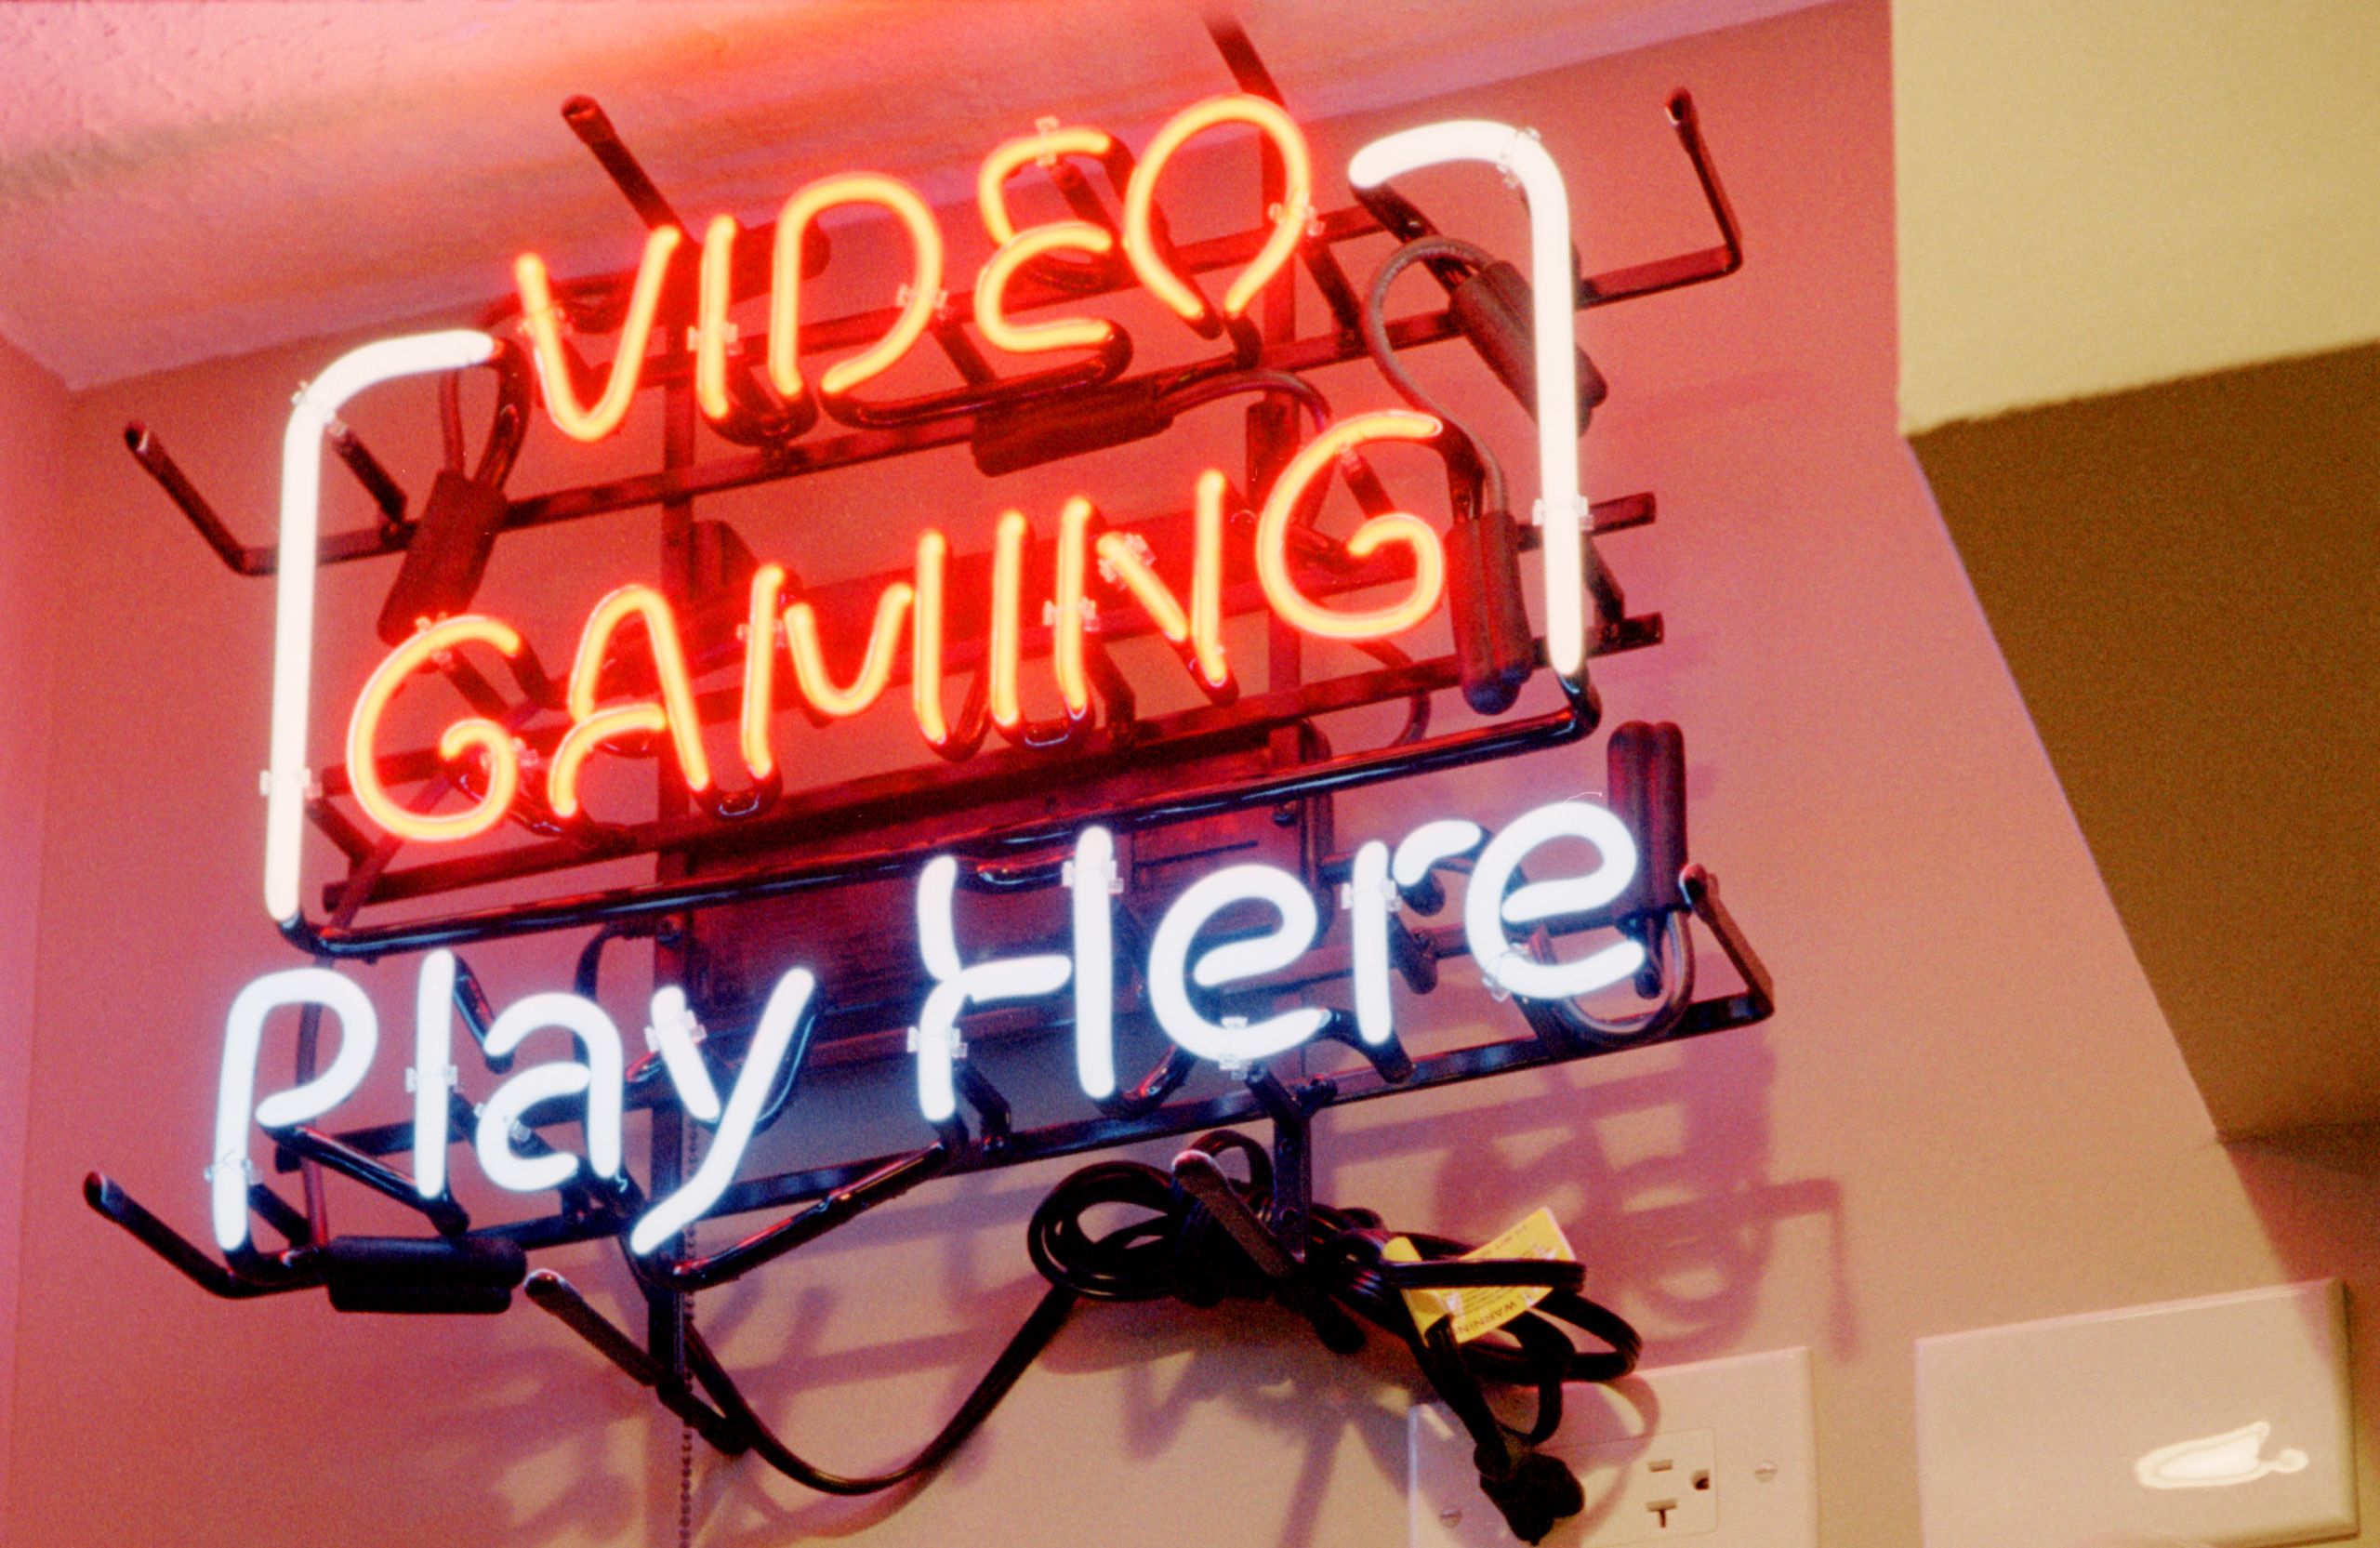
(1756, 1407)
(2223, 1422)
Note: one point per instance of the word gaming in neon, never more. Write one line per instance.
(1189, 965)
(778, 637)
(911, 614)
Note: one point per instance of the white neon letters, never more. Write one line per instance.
(789, 1006)
(599, 1078)
(1430, 843)
(955, 986)
(1093, 881)
(433, 1070)
(1485, 909)
(235, 1091)
(1370, 896)
(1233, 960)
(1238, 928)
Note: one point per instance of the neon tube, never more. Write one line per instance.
(875, 670)
(924, 293)
(1419, 852)
(1200, 631)
(1563, 510)
(991, 292)
(1006, 159)
(475, 734)
(789, 1006)
(955, 986)
(760, 672)
(500, 1115)
(600, 1076)
(433, 1070)
(1290, 217)
(713, 332)
(585, 738)
(1067, 651)
(1371, 899)
(591, 727)
(1277, 948)
(235, 1091)
(287, 779)
(925, 640)
(1148, 587)
(1006, 644)
(1095, 881)
(1485, 909)
(1206, 584)
(671, 1034)
(543, 320)
(1314, 461)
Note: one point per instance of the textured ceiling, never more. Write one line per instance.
(180, 181)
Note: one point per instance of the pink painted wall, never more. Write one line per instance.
(32, 430)
(1967, 1111)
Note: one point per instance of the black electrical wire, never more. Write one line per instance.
(1383, 354)
(1180, 1249)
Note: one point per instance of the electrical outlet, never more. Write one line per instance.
(1665, 1486)
(1715, 1455)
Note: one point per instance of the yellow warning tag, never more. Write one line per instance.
(1485, 1309)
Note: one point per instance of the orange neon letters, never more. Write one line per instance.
(925, 641)
(991, 292)
(761, 670)
(1006, 159)
(1288, 219)
(543, 320)
(1007, 643)
(1066, 652)
(875, 669)
(924, 291)
(1291, 489)
(713, 332)
(503, 762)
(1200, 630)
(590, 727)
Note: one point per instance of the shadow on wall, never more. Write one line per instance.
(1683, 1234)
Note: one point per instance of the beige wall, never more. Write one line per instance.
(1967, 1111)
(32, 430)
(2097, 196)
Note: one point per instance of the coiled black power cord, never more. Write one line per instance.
(1180, 1249)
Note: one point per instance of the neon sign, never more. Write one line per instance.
(1169, 883)
(1195, 626)
(1182, 977)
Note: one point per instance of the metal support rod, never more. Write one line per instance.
(151, 453)
(1161, 805)
(104, 1196)
(550, 1293)
(885, 1184)
(443, 1214)
(667, 1313)
(375, 479)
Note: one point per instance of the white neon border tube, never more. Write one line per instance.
(1564, 512)
(293, 623)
